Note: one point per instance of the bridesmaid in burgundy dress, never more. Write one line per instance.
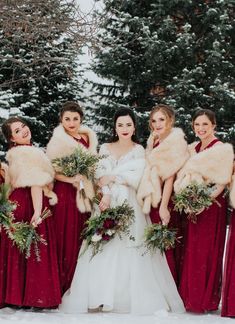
(210, 162)
(28, 282)
(228, 291)
(166, 153)
(70, 212)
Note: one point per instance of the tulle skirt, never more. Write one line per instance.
(122, 278)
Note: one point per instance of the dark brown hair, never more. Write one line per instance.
(168, 111)
(124, 112)
(71, 106)
(6, 127)
(207, 112)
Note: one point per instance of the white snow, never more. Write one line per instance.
(55, 317)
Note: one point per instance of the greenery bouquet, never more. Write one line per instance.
(25, 236)
(79, 162)
(159, 236)
(193, 199)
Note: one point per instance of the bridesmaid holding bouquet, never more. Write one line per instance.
(166, 153)
(72, 210)
(27, 282)
(210, 164)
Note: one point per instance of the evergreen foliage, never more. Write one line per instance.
(38, 64)
(180, 52)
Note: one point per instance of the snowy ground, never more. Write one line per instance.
(55, 317)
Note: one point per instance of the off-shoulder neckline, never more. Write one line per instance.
(105, 145)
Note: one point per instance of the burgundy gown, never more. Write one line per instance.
(200, 283)
(173, 256)
(28, 282)
(228, 291)
(69, 224)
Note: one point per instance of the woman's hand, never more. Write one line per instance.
(36, 219)
(164, 215)
(200, 211)
(77, 178)
(106, 180)
(105, 202)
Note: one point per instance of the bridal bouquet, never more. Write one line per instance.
(193, 199)
(159, 236)
(104, 227)
(24, 235)
(80, 161)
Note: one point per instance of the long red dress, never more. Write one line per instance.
(200, 284)
(228, 292)
(172, 255)
(69, 224)
(28, 282)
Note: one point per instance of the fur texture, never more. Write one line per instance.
(128, 174)
(232, 192)
(213, 165)
(29, 166)
(62, 144)
(4, 168)
(162, 162)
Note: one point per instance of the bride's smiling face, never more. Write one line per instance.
(125, 127)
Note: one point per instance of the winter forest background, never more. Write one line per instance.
(142, 52)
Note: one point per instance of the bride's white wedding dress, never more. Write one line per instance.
(120, 278)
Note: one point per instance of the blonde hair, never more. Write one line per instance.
(168, 111)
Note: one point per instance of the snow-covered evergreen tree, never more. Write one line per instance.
(180, 52)
(39, 69)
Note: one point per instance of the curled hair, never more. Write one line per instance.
(207, 112)
(124, 112)
(168, 111)
(71, 106)
(6, 127)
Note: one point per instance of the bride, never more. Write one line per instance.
(120, 278)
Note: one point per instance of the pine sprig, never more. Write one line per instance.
(25, 236)
(159, 236)
(192, 199)
(79, 161)
(104, 227)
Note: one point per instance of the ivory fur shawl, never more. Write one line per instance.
(232, 192)
(61, 144)
(29, 166)
(4, 168)
(128, 173)
(162, 162)
(213, 165)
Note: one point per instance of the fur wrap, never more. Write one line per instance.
(61, 144)
(29, 166)
(232, 192)
(213, 165)
(4, 168)
(128, 174)
(162, 162)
